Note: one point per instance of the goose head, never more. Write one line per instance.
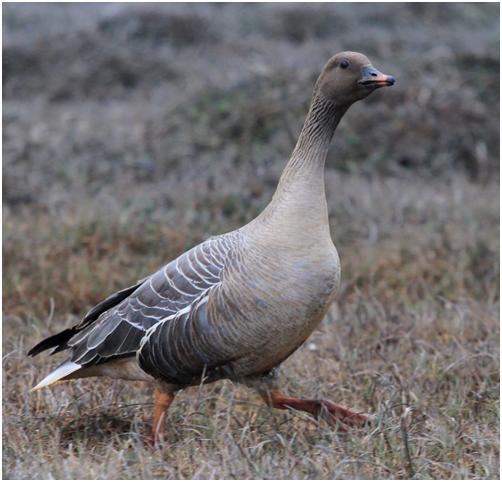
(348, 77)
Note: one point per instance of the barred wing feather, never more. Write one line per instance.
(115, 330)
(187, 346)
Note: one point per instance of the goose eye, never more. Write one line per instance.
(344, 64)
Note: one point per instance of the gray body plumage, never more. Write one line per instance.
(234, 306)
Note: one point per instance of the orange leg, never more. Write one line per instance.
(162, 401)
(329, 410)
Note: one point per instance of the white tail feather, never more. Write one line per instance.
(60, 372)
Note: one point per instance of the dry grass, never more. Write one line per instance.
(414, 334)
(413, 338)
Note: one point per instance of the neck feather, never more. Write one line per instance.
(299, 202)
(309, 154)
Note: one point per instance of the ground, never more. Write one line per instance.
(132, 132)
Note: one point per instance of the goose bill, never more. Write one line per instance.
(371, 77)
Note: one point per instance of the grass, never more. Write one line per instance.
(99, 193)
(413, 338)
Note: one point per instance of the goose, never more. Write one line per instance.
(238, 304)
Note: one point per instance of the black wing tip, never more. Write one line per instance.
(38, 348)
(58, 341)
(52, 341)
(34, 351)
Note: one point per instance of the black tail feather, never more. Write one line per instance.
(59, 341)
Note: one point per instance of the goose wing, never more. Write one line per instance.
(208, 338)
(190, 345)
(59, 341)
(115, 327)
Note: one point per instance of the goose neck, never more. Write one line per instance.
(298, 207)
(310, 152)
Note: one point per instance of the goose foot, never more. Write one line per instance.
(162, 401)
(343, 417)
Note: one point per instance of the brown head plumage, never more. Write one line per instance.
(348, 77)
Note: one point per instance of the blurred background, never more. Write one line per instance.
(103, 94)
(132, 132)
